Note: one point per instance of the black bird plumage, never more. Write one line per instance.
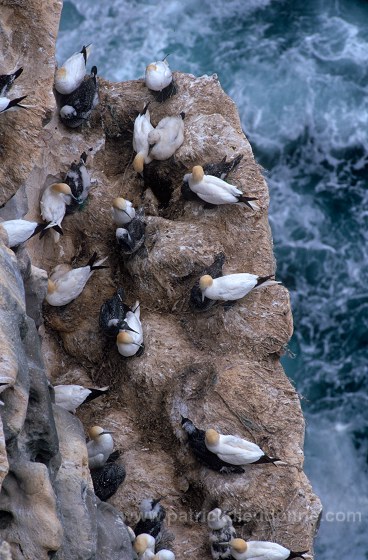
(76, 107)
(107, 479)
(214, 270)
(15, 103)
(131, 238)
(7, 80)
(151, 521)
(79, 182)
(113, 313)
(196, 440)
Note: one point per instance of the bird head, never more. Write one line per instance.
(62, 188)
(197, 173)
(68, 112)
(238, 545)
(138, 163)
(142, 542)
(119, 203)
(212, 437)
(124, 338)
(205, 282)
(60, 73)
(96, 431)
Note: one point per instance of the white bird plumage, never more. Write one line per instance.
(72, 396)
(232, 286)
(53, 203)
(261, 550)
(232, 449)
(142, 128)
(129, 342)
(67, 284)
(99, 447)
(122, 211)
(158, 75)
(166, 138)
(20, 230)
(164, 554)
(214, 190)
(70, 75)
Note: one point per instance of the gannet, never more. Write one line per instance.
(262, 550)
(7, 80)
(122, 211)
(164, 554)
(232, 286)
(152, 516)
(107, 479)
(166, 138)
(142, 127)
(235, 450)
(21, 230)
(131, 343)
(214, 270)
(216, 191)
(99, 447)
(70, 75)
(79, 181)
(8, 104)
(220, 170)
(196, 440)
(159, 80)
(72, 396)
(131, 238)
(144, 546)
(77, 107)
(53, 204)
(113, 313)
(64, 287)
(222, 531)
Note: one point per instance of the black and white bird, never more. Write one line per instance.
(99, 447)
(152, 515)
(70, 75)
(113, 314)
(79, 182)
(159, 80)
(7, 80)
(131, 238)
(107, 479)
(122, 212)
(142, 127)
(53, 203)
(221, 170)
(232, 286)
(76, 108)
(9, 104)
(215, 271)
(166, 138)
(66, 284)
(19, 231)
(130, 342)
(72, 396)
(221, 531)
(215, 191)
(235, 450)
(196, 440)
(262, 550)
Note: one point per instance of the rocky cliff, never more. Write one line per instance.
(220, 368)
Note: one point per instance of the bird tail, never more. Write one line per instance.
(296, 554)
(94, 71)
(86, 51)
(47, 226)
(16, 102)
(182, 114)
(17, 73)
(40, 228)
(249, 201)
(97, 266)
(96, 393)
(83, 157)
(264, 281)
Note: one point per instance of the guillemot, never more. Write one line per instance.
(70, 75)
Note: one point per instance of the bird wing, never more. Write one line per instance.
(4, 102)
(52, 208)
(234, 442)
(216, 191)
(234, 286)
(142, 127)
(73, 281)
(266, 550)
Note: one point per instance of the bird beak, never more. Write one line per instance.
(224, 543)
(165, 57)
(105, 432)
(203, 296)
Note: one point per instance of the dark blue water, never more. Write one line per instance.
(298, 73)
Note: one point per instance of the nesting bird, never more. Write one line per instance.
(70, 75)
(159, 80)
(107, 479)
(166, 138)
(220, 169)
(79, 181)
(53, 204)
(196, 440)
(215, 271)
(8, 104)
(66, 285)
(131, 238)
(142, 127)
(222, 531)
(113, 314)
(232, 286)
(76, 108)
(235, 450)
(130, 343)
(164, 554)
(123, 211)
(19, 231)
(261, 550)
(215, 191)
(151, 518)
(144, 546)
(7, 80)
(99, 447)
(72, 396)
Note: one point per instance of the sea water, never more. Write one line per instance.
(298, 73)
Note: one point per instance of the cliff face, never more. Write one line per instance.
(220, 368)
